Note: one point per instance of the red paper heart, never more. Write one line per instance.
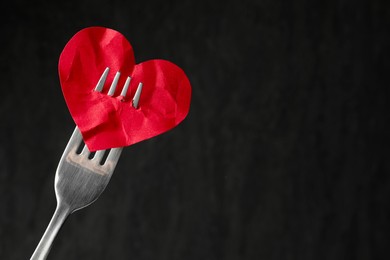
(108, 122)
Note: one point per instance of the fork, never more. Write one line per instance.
(81, 177)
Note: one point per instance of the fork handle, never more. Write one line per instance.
(43, 248)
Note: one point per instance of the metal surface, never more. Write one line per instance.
(80, 177)
(113, 84)
(125, 87)
(79, 181)
(137, 95)
(102, 80)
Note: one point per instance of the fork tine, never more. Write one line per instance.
(99, 155)
(126, 87)
(75, 140)
(137, 95)
(114, 155)
(85, 151)
(113, 84)
(102, 80)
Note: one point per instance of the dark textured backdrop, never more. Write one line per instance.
(284, 154)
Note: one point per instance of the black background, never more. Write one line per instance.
(284, 154)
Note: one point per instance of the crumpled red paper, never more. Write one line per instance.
(107, 122)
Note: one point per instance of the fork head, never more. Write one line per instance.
(82, 176)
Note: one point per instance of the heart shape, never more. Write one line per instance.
(111, 121)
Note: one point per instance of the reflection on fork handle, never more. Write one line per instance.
(43, 248)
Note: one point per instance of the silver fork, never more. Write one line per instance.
(81, 177)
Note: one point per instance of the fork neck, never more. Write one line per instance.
(61, 213)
